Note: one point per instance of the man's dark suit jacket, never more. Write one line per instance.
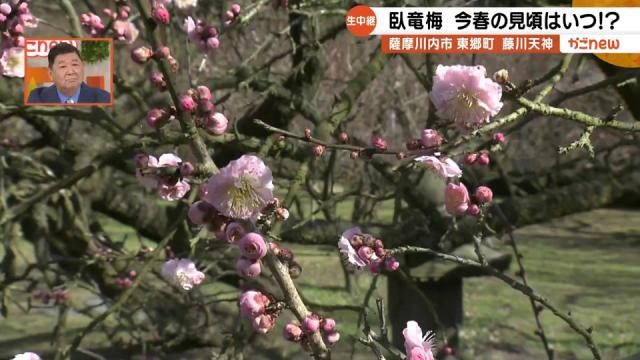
(88, 94)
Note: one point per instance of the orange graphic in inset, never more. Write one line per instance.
(622, 60)
(361, 20)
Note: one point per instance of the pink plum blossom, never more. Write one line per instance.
(292, 332)
(417, 347)
(465, 95)
(263, 323)
(241, 189)
(484, 194)
(456, 199)
(182, 273)
(445, 168)
(430, 138)
(216, 123)
(357, 257)
(248, 268)
(252, 246)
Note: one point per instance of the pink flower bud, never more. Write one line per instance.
(210, 31)
(118, 281)
(317, 150)
(106, 12)
(217, 123)
(187, 104)
(233, 232)
(380, 252)
(343, 137)
(484, 159)
(473, 210)
(5, 9)
(141, 54)
(127, 283)
(484, 194)
(498, 137)
(3, 18)
(228, 16)
(186, 168)
(329, 325)
(263, 323)
(253, 246)
(163, 52)
(470, 158)
(365, 253)
(378, 142)
(154, 116)
(235, 8)
(17, 29)
(133, 274)
(248, 268)
(160, 14)
(292, 332)
(204, 93)
(311, 324)
(354, 155)
(456, 199)
(213, 43)
(333, 338)
(123, 14)
(431, 138)
(253, 303)
(391, 264)
(157, 79)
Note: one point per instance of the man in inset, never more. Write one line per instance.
(66, 70)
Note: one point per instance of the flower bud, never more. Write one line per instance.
(160, 14)
(292, 332)
(499, 138)
(311, 324)
(430, 138)
(343, 137)
(473, 210)
(5, 9)
(253, 246)
(329, 325)
(365, 253)
(235, 8)
(204, 93)
(127, 283)
(217, 123)
(157, 79)
(133, 274)
(391, 264)
(470, 158)
(484, 194)
(253, 303)
(248, 268)
(484, 159)
(200, 212)
(263, 323)
(187, 104)
(307, 133)
(285, 255)
(154, 116)
(206, 107)
(141, 54)
(354, 155)
(333, 338)
(378, 142)
(228, 16)
(213, 43)
(317, 150)
(163, 52)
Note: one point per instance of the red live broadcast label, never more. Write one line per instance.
(462, 44)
